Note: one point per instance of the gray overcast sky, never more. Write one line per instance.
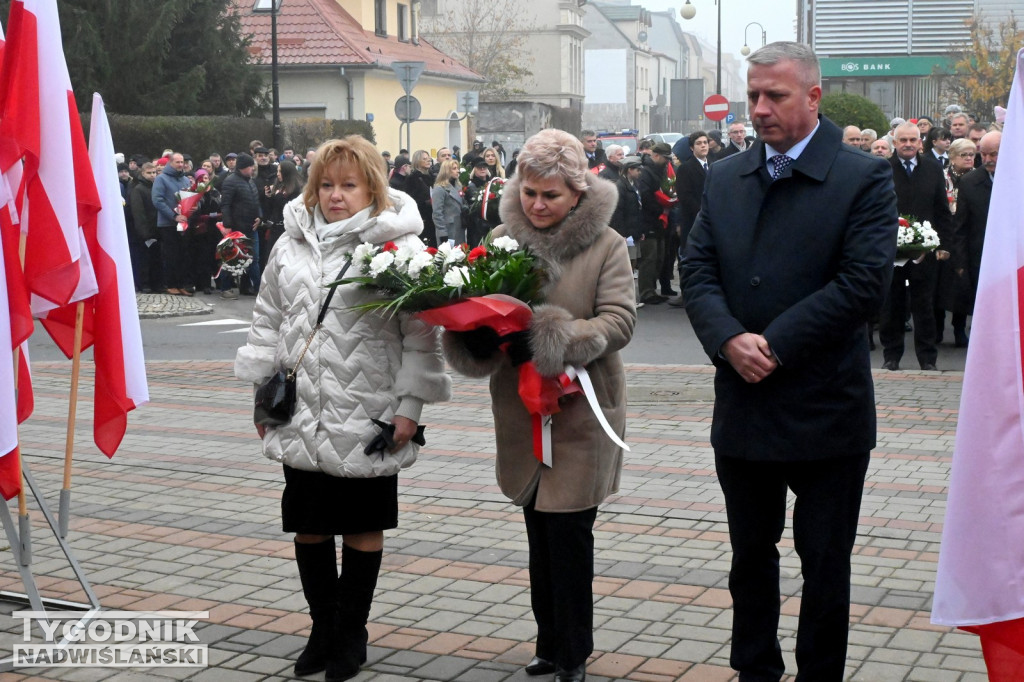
(777, 16)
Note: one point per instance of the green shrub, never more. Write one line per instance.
(846, 109)
(201, 136)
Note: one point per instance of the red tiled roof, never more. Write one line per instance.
(321, 32)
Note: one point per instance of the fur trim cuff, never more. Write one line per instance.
(557, 340)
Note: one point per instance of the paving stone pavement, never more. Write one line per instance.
(166, 305)
(186, 517)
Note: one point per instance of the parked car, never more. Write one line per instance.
(669, 138)
(626, 138)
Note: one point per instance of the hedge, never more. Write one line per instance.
(847, 109)
(201, 136)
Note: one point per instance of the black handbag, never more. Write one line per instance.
(275, 397)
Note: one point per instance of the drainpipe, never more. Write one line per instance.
(348, 84)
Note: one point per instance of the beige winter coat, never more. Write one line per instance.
(587, 317)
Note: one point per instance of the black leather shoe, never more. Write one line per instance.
(539, 666)
(960, 338)
(891, 365)
(669, 293)
(653, 299)
(577, 674)
(929, 367)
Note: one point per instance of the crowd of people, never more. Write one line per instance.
(660, 193)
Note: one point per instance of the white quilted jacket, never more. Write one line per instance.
(360, 365)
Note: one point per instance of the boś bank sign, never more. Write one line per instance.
(880, 67)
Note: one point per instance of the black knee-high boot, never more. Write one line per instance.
(358, 580)
(318, 570)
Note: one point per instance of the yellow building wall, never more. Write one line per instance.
(364, 13)
(381, 90)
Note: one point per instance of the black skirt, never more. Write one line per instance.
(320, 504)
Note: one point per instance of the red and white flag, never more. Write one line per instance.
(117, 349)
(10, 471)
(980, 581)
(39, 123)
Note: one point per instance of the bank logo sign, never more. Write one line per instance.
(883, 66)
(110, 639)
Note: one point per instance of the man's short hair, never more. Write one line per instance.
(696, 135)
(587, 133)
(961, 115)
(939, 134)
(909, 127)
(785, 50)
(645, 144)
(612, 148)
(978, 127)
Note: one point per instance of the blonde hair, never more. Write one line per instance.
(448, 171)
(554, 153)
(358, 152)
(498, 170)
(961, 145)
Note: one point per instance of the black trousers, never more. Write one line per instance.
(561, 583)
(923, 278)
(828, 495)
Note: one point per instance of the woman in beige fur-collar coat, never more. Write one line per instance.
(560, 211)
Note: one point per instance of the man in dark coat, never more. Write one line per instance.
(920, 193)
(655, 226)
(738, 140)
(595, 155)
(240, 210)
(689, 188)
(790, 257)
(972, 214)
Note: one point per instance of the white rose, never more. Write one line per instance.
(457, 276)
(381, 262)
(505, 244)
(455, 255)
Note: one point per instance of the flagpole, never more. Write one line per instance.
(24, 527)
(64, 508)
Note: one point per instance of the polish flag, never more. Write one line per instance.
(10, 469)
(980, 581)
(39, 123)
(117, 348)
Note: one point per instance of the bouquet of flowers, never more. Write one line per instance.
(487, 200)
(234, 252)
(915, 238)
(464, 176)
(666, 195)
(417, 278)
(188, 200)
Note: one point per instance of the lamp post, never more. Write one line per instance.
(688, 11)
(745, 50)
(272, 7)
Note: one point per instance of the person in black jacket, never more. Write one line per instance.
(418, 185)
(477, 226)
(145, 239)
(689, 188)
(202, 236)
(240, 207)
(655, 226)
(921, 194)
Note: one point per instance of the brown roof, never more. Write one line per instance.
(321, 32)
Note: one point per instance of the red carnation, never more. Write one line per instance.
(478, 252)
(904, 223)
(431, 250)
(390, 246)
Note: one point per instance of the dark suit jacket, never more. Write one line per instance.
(972, 201)
(239, 202)
(804, 260)
(923, 195)
(689, 188)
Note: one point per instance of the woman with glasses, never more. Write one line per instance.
(952, 293)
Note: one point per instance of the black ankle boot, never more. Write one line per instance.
(356, 584)
(318, 570)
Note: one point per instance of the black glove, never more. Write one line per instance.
(385, 440)
(481, 343)
(518, 349)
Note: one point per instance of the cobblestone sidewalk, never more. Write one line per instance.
(186, 517)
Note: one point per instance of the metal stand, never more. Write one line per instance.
(21, 549)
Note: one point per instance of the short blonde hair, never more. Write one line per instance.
(354, 150)
(554, 153)
(448, 171)
(960, 146)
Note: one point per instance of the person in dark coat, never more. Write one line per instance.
(627, 219)
(240, 207)
(172, 245)
(656, 233)
(791, 254)
(418, 185)
(689, 188)
(920, 193)
(145, 237)
(595, 155)
(972, 214)
(202, 236)
(400, 173)
(476, 226)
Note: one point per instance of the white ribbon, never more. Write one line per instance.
(578, 374)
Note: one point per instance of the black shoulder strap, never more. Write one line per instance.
(330, 294)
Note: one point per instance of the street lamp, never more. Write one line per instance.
(688, 11)
(745, 50)
(273, 8)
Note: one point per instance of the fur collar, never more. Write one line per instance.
(567, 240)
(402, 219)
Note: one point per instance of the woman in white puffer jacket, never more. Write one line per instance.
(359, 366)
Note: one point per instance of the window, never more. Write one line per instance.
(403, 22)
(380, 17)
